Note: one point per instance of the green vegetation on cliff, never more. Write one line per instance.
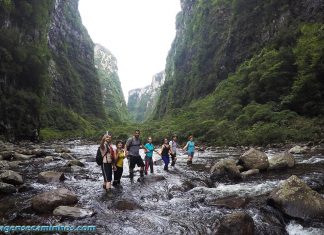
(276, 96)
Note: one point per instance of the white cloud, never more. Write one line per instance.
(138, 32)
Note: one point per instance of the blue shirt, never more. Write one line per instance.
(191, 146)
(150, 148)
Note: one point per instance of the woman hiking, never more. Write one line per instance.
(190, 147)
(149, 148)
(120, 156)
(165, 153)
(108, 154)
(174, 144)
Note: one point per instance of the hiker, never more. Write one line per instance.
(165, 151)
(149, 148)
(132, 148)
(108, 154)
(173, 143)
(120, 156)
(190, 147)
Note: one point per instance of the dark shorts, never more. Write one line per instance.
(107, 171)
(191, 154)
(135, 160)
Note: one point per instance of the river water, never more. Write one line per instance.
(176, 202)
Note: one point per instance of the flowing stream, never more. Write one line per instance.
(176, 202)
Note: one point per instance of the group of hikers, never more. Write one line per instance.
(113, 156)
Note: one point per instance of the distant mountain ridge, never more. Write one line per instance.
(141, 101)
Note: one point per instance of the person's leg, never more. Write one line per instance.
(131, 167)
(174, 158)
(151, 165)
(141, 164)
(146, 164)
(121, 169)
(107, 170)
(104, 175)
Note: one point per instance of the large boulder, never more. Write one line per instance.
(281, 160)
(238, 223)
(11, 177)
(73, 212)
(254, 159)
(7, 188)
(50, 176)
(225, 168)
(48, 201)
(74, 163)
(296, 199)
(298, 149)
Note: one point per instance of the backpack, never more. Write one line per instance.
(99, 157)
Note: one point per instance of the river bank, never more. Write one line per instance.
(183, 201)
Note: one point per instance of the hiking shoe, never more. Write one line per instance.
(140, 179)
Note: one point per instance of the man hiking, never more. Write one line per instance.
(132, 148)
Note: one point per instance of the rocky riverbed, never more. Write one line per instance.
(226, 190)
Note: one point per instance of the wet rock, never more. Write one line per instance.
(281, 160)
(238, 223)
(126, 204)
(90, 159)
(48, 201)
(230, 202)
(4, 165)
(67, 156)
(250, 172)
(22, 157)
(254, 159)
(73, 212)
(76, 168)
(50, 176)
(11, 177)
(48, 159)
(296, 199)
(153, 178)
(15, 164)
(298, 149)
(62, 150)
(225, 168)
(7, 155)
(241, 168)
(74, 163)
(25, 188)
(7, 188)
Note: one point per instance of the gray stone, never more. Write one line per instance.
(254, 159)
(125, 204)
(7, 188)
(238, 223)
(22, 157)
(4, 165)
(7, 155)
(74, 163)
(48, 159)
(298, 149)
(50, 176)
(296, 199)
(11, 177)
(67, 156)
(281, 160)
(250, 172)
(14, 164)
(73, 212)
(62, 150)
(225, 168)
(48, 201)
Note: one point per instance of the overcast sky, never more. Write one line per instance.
(138, 32)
